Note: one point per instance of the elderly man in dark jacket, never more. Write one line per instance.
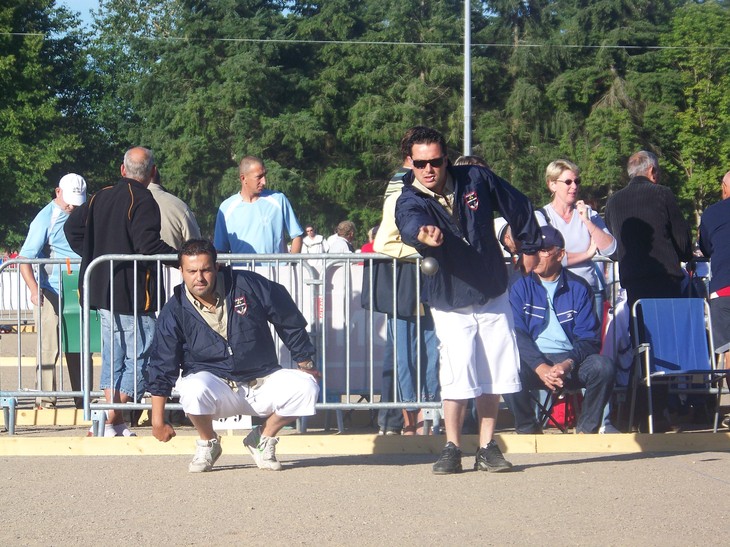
(215, 331)
(653, 239)
(652, 234)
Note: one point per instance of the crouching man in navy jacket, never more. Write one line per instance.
(558, 335)
(215, 329)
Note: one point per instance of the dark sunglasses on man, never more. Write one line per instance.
(435, 162)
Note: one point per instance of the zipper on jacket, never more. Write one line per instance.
(450, 220)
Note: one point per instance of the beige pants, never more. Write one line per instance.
(47, 317)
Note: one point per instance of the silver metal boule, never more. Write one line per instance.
(429, 265)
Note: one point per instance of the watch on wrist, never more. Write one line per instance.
(307, 365)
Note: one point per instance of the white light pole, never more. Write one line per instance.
(467, 77)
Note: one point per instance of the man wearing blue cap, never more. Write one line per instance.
(559, 339)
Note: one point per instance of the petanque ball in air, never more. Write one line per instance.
(429, 266)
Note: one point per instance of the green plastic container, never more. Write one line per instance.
(71, 317)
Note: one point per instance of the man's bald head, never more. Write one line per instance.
(139, 164)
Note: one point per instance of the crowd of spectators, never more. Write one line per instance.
(515, 305)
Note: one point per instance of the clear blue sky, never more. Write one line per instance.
(81, 6)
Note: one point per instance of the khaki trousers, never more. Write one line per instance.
(47, 315)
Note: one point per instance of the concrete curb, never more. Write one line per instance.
(369, 444)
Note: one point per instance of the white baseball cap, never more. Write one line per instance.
(73, 189)
(500, 225)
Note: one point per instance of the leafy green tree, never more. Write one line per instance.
(40, 108)
(385, 65)
(195, 88)
(323, 92)
(700, 34)
(573, 89)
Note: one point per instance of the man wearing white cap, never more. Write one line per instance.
(46, 239)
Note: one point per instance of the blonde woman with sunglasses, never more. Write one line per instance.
(583, 229)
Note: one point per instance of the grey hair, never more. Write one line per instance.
(138, 163)
(640, 163)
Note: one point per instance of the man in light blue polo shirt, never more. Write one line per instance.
(46, 239)
(254, 220)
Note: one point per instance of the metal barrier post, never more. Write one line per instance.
(98, 422)
(9, 404)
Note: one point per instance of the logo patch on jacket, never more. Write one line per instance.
(472, 201)
(240, 306)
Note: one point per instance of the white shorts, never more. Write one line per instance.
(478, 350)
(285, 392)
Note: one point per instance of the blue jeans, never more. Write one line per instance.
(596, 374)
(389, 419)
(406, 335)
(127, 375)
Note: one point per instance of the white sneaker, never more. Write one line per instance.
(263, 449)
(122, 430)
(118, 430)
(206, 454)
(111, 431)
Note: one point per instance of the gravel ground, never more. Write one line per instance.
(569, 499)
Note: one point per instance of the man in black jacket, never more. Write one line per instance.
(215, 330)
(122, 219)
(653, 236)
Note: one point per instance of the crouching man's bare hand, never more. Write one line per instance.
(161, 430)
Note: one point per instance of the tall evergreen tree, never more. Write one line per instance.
(700, 41)
(40, 107)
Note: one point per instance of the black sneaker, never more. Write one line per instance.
(449, 462)
(491, 459)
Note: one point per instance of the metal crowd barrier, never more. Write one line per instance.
(15, 305)
(18, 313)
(349, 340)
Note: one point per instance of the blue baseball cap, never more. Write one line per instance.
(551, 238)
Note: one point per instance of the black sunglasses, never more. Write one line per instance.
(421, 164)
(568, 182)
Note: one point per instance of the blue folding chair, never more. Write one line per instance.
(675, 346)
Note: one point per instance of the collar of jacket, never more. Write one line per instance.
(227, 272)
(562, 279)
(640, 179)
(409, 179)
(127, 180)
